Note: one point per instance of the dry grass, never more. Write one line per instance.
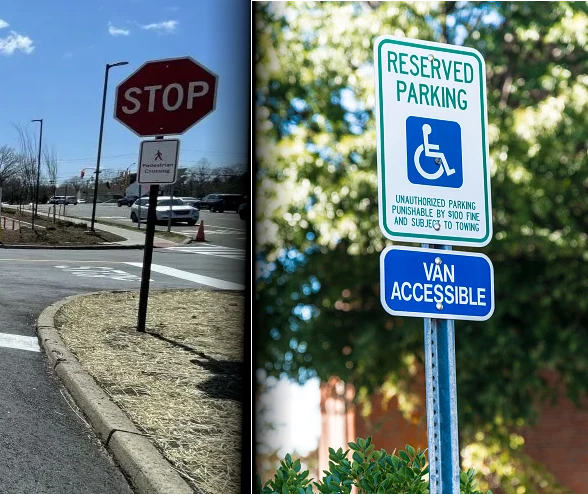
(180, 382)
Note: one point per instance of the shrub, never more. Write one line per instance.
(371, 471)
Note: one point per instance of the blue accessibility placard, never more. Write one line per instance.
(434, 152)
(439, 284)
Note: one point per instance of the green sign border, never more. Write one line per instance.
(484, 131)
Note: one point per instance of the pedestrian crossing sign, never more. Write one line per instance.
(158, 161)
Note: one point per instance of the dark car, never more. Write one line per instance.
(218, 203)
(63, 200)
(243, 211)
(127, 201)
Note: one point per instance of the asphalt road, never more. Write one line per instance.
(225, 229)
(45, 447)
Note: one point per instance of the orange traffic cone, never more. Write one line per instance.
(200, 234)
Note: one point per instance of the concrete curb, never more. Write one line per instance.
(149, 472)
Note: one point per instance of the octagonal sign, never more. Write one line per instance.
(165, 97)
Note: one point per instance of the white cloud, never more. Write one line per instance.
(163, 27)
(117, 31)
(16, 42)
(3, 24)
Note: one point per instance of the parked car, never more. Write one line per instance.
(62, 200)
(243, 211)
(181, 212)
(192, 201)
(127, 200)
(221, 202)
(81, 201)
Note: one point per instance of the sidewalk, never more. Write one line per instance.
(133, 238)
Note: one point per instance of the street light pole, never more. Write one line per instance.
(40, 120)
(108, 67)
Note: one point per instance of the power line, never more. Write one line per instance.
(183, 151)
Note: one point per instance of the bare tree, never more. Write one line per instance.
(199, 177)
(202, 170)
(8, 167)
(75, 183)
(27, 157)
(50, 157)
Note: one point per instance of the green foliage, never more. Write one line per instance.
(371, 471)
(288, 479)
(318, 236)
(317, 219)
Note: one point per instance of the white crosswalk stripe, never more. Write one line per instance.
(220, 232)
(211, 250)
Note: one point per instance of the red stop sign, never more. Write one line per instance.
(165, 97)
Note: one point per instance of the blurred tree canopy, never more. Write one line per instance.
(318, 239)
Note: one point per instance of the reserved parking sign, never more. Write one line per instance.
(433, 165)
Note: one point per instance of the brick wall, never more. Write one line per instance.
(558, 439)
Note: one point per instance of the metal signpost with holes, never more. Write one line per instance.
(162, 97)
(434, 188)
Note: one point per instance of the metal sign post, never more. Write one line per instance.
(434, 188)
(139, 208)
(441, 390)
(147, 256)
(169, 218)
(151, 219)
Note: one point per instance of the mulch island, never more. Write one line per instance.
(48, 232)
(180, 382)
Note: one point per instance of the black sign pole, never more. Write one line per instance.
(147, 254)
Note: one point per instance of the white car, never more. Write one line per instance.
(181, 212)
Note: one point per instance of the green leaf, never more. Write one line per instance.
(410, 450)
(404, 456)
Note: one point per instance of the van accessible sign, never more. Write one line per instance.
(158, 161)
(432, 131)
(440, 284)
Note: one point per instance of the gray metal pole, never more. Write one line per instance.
(169, 220)
(40, 120)
(65, 201)
(97, 171)
(139, 208)
(441, 389)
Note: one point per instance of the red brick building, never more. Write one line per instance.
(558, 440)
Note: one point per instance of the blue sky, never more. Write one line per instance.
(52, 59)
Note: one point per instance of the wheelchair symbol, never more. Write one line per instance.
(431, 151)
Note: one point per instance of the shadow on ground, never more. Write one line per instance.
(226, 384)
